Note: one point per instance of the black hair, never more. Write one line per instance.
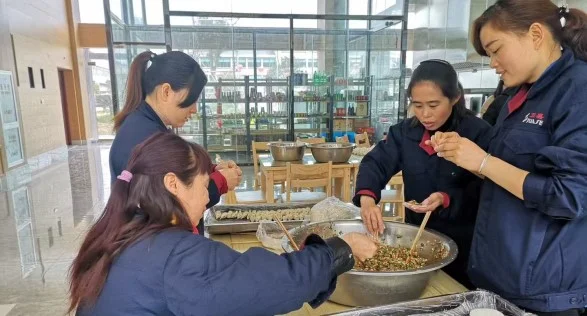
(176, 68)
(518, 15)
(443, 75)
(499, 89)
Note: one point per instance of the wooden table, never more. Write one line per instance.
(440, 283)
(341, 172)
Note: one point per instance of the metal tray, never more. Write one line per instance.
(447, 305)
(214, 226)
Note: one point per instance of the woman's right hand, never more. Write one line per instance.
(233, 177)
(371, 215)
(362, 246)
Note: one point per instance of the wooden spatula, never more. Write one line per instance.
(422, 226)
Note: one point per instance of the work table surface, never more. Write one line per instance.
(440, 283)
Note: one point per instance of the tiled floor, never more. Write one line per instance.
(42, 224)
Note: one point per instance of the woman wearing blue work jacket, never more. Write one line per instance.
(531, 230)
(161, 92)
(449, 192)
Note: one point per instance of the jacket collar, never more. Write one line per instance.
(415, 133)
(552, 73)
(147, 111)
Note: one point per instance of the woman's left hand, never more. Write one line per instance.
(461, 151)
(432, 203)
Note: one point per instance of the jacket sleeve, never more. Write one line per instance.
(206, 276)
(558, 188)
(216, 188)
(379, 165)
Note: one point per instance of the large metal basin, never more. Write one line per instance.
(287, 151)
(356, 288)
(335, 152)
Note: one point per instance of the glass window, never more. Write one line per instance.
(224, 62)
(154, 10)
(137, 12)
(268, 62)
(388, 7)
(299, 64)
(358, 7)
(115, 8)
(241, 61)
(248, 6)
(100, 90)
(92, 11)
(204, 62)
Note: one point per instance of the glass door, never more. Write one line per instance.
(385, 66)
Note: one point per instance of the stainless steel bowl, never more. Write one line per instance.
(335, 152)
(287, 151)
(357, 288)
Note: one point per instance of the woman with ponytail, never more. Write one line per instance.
(529, 242)
(141, 257)
(449, 192)
(161, 92)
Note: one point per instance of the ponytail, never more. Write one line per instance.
(574, 33)
(89, 269)
(135, 93)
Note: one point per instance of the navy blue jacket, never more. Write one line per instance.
(178, 273)
(423, 172)
(136, 128)
(533, 252)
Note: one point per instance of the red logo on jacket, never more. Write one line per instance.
(534, 118)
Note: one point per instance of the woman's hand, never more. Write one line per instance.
(432, 203)
(231, 172)
(362, 246)
(233, 177)
(440, 137)
(371, 215)
(458, 150)
(226, 165)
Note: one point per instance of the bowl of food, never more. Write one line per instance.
(335, 152)
(394, 274)
(287, 151)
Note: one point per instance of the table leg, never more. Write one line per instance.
(269, 193)
(346, 188)
(337, 189)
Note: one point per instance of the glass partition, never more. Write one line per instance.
(277, 77)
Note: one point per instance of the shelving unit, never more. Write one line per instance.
(233, 113)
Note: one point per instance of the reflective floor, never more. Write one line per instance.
(42, 222)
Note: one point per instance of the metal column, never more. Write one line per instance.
(111, 64)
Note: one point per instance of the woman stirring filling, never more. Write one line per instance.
(529, 241)
(450, 192)
(141, 257)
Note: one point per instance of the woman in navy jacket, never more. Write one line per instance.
(450, 192)
(162, 91)
(141, 257)
(529, 242)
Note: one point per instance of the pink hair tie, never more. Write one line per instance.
(125, 176)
